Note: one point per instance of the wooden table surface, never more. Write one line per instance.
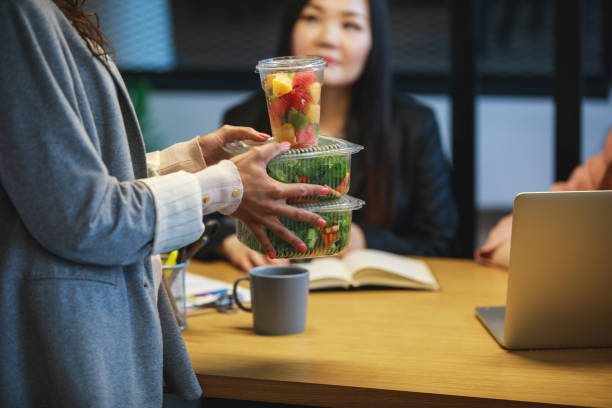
(398, 348)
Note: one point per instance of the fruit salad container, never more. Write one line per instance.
(293, 93)
(327, 164)
(320, 241)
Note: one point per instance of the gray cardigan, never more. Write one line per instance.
(80, 323)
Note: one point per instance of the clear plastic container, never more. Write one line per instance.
(320, 241)
(293, 94)
(328, 164)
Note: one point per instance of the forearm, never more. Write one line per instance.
(220, 185)
(186, 156)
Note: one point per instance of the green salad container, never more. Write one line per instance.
(320, 241)
(328, 164)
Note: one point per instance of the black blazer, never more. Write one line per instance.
(426, 217)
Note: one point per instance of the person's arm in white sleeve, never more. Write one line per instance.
(220, 185)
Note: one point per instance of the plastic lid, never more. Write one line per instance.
(291, 63)
(344, 203)
(326, 146)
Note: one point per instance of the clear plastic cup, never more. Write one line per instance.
(293, 93)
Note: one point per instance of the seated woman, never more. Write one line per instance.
(402, 174)
(594, 174)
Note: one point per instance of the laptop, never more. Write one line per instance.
(560, 276)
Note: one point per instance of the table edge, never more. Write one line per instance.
(309, 394)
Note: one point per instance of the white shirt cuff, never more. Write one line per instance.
(178, 210)
(221, 188)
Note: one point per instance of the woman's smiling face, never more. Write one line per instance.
(339, 31)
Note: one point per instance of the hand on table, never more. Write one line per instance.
(243, 257)
(212, 143)
(265, 199)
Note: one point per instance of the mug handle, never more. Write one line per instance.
(235, 294)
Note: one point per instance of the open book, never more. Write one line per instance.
(364, 267)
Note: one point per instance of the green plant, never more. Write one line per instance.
(140, 90)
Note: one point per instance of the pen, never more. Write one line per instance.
(171, 260)
(212, 292)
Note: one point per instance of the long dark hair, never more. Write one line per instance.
(371, 109)
(87, 25)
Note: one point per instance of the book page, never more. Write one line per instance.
(326, 272)
(370, 262)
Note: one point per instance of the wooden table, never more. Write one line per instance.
(396, 348)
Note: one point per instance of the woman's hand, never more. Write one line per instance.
(264, 199)
(243, 257)
(212, 143)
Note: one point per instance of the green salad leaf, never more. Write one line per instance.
(312, 236)
(329, 170)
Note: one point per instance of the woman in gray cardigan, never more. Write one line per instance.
(84, 321)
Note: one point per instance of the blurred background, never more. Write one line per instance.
(502, 76)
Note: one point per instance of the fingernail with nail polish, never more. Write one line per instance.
(321, 222)
(324, 191)
(302, 248)
(271, 254)
(286, 144)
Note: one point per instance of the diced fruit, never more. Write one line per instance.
(298, 120)
(267, 83)
(275, 121)
(313, 112)
(330, 235)
(305, 137)
(314, 90)
(304, 79)
(281, 84)
(300, 98)
(278, 106)
(343, 185)
(287, 134)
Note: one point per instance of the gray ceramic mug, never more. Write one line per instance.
(279, 297)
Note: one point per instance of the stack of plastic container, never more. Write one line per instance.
(293, 88)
